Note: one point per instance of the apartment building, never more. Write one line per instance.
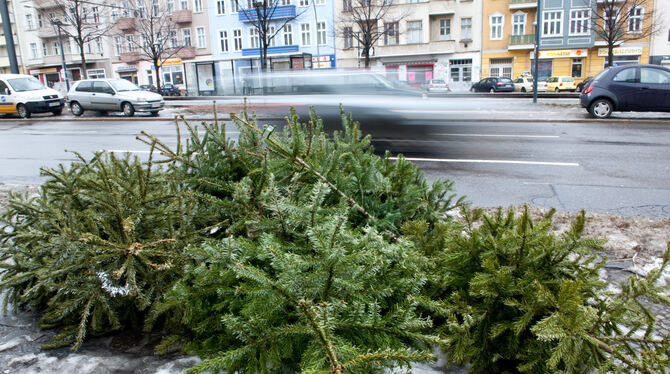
(660, 40)
(302, 40)
(424, 39)
(569, 45)
(41, 50)
(4, 59)
(181, 35)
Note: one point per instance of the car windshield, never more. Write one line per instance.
(25, 84)
(505, 80)
(124, 85)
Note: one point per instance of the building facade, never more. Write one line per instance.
(569, 42)
(4, 59)
(660, 40)
(435, 39)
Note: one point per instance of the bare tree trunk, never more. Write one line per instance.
(83, 62)
(158, 77)
(610, 55)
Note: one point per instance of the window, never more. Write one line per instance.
(635, 19)
(391, 33)
(95, 11)
(223, 40)
(414, 31)
(95, 74)
(346, 5)
(200, 34)
(519, 23)
(577, 65)
(654, 76)
(155, 8)
(285, 2)
(551, 23)
(186, 37)
(85, 86)
(130, 43)
(118, 46)
(321, 33)
(33, 50)
(496, 22)
(254, 40)
(272, 38)
(221, 7)
(320, 2)
(445, 29)
(237, 40)
(56, 49)
(466, 28)
(610, 18)
(98, 45)
(169, 6)
(579, 21)
(172, 74)
(183, 4)
(114, 13)
(348, 38)
(39, 21)
(304, 3)
(305, 38)
(173, 39)
(45, 50)
(288, 34)
(461, 70)
(235, 5)
(625, 76)
(125, 12)
(29, 22)
(141, 9)
(197, 6)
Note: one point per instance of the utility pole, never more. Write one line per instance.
(58, 25)
(9, 38)
(316, 23)
(536, 62)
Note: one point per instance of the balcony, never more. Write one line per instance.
(47, 32)
(126, 24)
(521, 42)
(130, 57)
(186, 53)
(444, 46)
(45, 4)
(250, 15)
(182, 16)
(271, 50)
(522, 4)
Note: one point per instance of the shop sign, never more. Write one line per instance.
(565, 53)
(43, 71)
(126, 68)
(621, 51)
(176, 61)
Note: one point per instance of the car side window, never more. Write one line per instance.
(101, 87)
(3, 87)
(85, 87)
(654, 76)
(625, 76)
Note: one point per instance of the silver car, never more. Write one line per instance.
(112, 95)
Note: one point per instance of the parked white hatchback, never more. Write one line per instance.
(525, 84)
(112, 95)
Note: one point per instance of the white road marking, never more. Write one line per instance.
(547, 163)
(418, 111)
(502, 135)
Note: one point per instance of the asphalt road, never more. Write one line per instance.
(601, 166)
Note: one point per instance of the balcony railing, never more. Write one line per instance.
(45, 4)
(47, 32)
(284, 11)
(130, 57)
(522, 39)
(186, 53)
(126, 24)
(182, 16)
(271, 50)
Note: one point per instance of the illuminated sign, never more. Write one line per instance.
(621, 51)
(564, 53)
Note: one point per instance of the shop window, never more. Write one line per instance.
(95, 73)
(577, 65)
(461, 70)
(392, 73)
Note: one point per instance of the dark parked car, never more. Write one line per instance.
(170, 90)
(493, 84)
(637, 88)
(585, 83)
(149, 87)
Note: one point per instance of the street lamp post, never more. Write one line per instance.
(536, 62)
(9, 39)
(58, 25)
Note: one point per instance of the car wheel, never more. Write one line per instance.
(491, 90)
(154, 113)
(57, 112)
(523, 89)
(557, 90)
(76, 109)
(128, 109)
(23, 111)
(601, 108)
(472, 89)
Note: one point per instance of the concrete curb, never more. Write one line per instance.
(499, 95)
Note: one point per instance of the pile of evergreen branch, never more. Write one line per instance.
(294, 250)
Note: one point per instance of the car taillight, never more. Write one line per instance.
(560, 85)
(501, 84)
(589, 89)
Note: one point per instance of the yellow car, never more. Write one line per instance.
(558, 84)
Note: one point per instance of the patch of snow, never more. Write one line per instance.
(111, 289)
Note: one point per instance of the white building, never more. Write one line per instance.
(434, 39)
(660, 41)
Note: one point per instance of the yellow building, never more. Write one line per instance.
(568, 44)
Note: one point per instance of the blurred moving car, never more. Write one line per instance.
(583, 84)
(169, 89)
(525, 84)
(112, 95)
(558, 84)
(149, 87)
(493, 84)
(638, 88)
(436, 85)
(24, 95)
